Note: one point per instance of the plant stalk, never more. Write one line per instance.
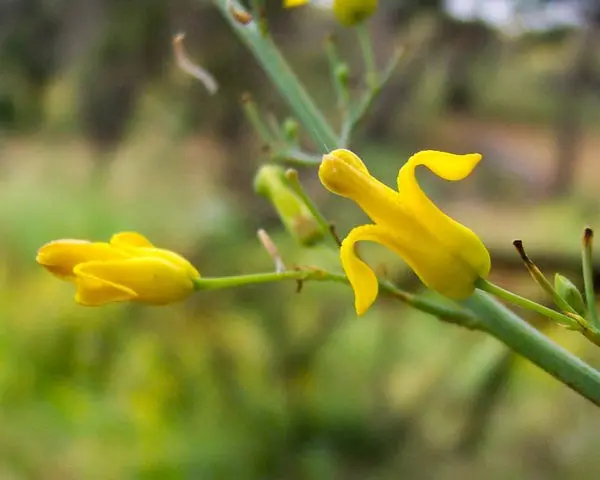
(266, 52)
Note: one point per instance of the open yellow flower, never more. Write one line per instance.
(347, 12)
(129, 267)
(447, 256)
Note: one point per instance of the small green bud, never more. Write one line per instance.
(290, 129)
(271, 183)
(342, 72)
(352, 12)
(570, 293)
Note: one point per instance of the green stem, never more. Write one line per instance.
(366, 47)
(526, 303)
(292, 177)
(217, 283)
(450, 313)
(254, 117)
(296, 156)
(337, 68)
(542, 281)
(521, 337)
(588, 278)
(281, 75)
(362, 106)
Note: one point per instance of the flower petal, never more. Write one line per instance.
(93, 291)
(61, 256)
(294, 3)
(136, 245)
(343, 173)
(437, 267)
(152, 280)
(130, 239)
(361, 276)
(448, 233)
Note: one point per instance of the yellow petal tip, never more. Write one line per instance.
(294, 3)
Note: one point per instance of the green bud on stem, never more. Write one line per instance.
(271, 183)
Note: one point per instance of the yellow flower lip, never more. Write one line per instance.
(447, 256)
(128, 267)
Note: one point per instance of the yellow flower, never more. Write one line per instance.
(129, 267)
(347, 12)
(447, 256)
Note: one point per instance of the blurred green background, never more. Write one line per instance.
(100, 132)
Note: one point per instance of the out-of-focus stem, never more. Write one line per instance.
(282, 76)
(588, 278)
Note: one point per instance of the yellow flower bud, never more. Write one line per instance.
(129, 267)
(347, 12)
(352, 12)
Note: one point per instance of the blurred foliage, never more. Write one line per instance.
(261, 382)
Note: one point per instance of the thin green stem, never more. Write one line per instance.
(254, 117)
(588, 278)
(361, 108)
(297, 157)
(521, 337)
(217, 283)
(292, 176)
(454, 314)
(526, 303)
(366, 47)
(282, 76)
(337, 70)
(542, 281)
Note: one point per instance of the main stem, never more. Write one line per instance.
(280, 73)
(521, 337)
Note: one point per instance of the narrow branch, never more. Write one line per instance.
(527, 304)
(292, 177)
(360, 109)
(281, 75)
(588, 277)
(366, 47)
(339, 75)
(453, 314)
(542, 281)
(296, 156)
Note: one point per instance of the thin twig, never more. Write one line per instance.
(191, 68)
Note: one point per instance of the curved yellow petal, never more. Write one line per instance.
(349, 158)
(436, 267)
(130, 239)
(343, 173)
(361, 276)
(153, 280)
(136, 245)
(93, 291)
(61, 256)
(448, 233)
